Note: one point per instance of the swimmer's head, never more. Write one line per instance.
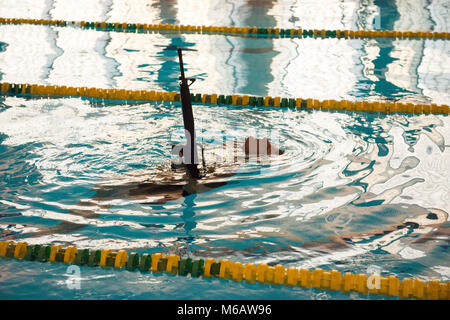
(260, 147)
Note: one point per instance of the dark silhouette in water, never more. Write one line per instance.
(164, 184)
(159, 186)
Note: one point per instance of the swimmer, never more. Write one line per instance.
(251, 147)
(159, 186)
(176, 183)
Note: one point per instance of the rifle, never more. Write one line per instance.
(190, 152)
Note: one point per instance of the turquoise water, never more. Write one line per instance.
(353, 190)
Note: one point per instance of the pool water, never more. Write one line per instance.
(352, 192)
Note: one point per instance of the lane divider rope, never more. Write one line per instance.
(319, 279)
(242, 31)
(220, 99)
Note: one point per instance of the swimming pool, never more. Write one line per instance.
(333, 200)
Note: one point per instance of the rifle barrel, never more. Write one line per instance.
(188, 120)
(180, 57)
